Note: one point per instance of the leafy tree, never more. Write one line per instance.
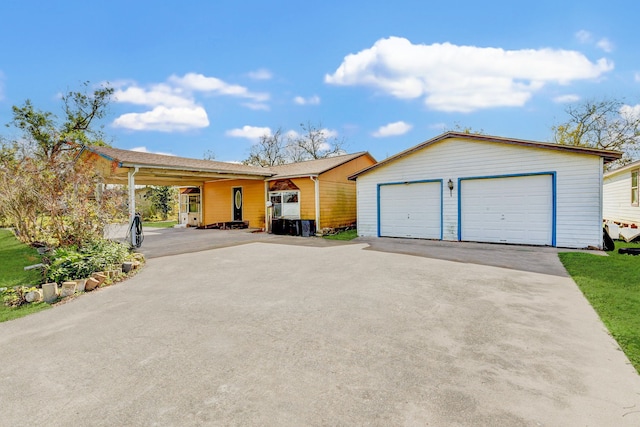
(163, 198)
(45, 192)
(457, 127)
(209, 155)
(607, 124)
(48, 139)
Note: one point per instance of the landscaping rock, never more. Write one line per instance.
(100, 277)
(33, 296)
(50, 292)
(68, 289)
(91, 284)
(80, 284)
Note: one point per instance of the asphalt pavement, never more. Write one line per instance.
(266, 333)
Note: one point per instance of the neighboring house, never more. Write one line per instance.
(315, 190)
(620, 195)
(482, 188)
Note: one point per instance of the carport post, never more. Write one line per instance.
(132, 201)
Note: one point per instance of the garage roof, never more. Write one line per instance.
(607, 155)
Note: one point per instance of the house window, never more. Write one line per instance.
(634, 188)
(286, 204)
(190, 203)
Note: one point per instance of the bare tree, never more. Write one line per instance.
(268, 151)
(314, 143)
(607, 124)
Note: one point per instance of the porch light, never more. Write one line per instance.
(450, 185)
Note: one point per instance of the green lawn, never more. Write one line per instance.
(159, 224)
(344, 235)
(14, 256)
(612, 285)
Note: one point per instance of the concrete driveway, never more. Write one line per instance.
(272, 334)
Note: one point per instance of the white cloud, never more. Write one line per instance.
(260, 74)
(249, 132)
(636, 77)
(213, 85)
(144, 149)
(392, 129)
(630, 111)
(584, 36)
(256, 106)
(566, 99)
(173, 105)
(462, 78)
(156, 95)
(605, 45)
(165, 119)
(312, 100)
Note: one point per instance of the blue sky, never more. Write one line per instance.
(194, 76)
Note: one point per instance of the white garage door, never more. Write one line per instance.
(507, 210)
(411, 210)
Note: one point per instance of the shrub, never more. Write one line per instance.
(69, 263)
(15, 297)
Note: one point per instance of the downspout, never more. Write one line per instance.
(267, 210)
(317, 193)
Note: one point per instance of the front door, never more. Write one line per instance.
(237, 203)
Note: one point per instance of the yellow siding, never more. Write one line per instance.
(218, 203)
(307, 197)
(338, 194)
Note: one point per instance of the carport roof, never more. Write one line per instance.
(607, 155)
(158, 169)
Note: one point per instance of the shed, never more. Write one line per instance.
(467, 187)
(620, 195)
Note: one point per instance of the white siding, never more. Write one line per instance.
(617, 199)
(578, 183)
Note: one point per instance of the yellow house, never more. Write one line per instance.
(315, 190)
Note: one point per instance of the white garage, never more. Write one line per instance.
(481, 188)
(411, 209)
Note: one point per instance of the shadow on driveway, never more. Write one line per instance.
(534, 259)
(160, 242)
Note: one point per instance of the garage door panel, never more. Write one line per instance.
(508, 210)
(411, 210)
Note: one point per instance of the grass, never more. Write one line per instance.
(159, 224)
(10, 313)
(14, 256)
(611, 284)
(343, 235)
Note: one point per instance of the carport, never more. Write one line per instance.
(133, 168)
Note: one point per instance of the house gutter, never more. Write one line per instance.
(314, 178)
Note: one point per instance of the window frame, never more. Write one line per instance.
(635, 194)
(282, 203)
